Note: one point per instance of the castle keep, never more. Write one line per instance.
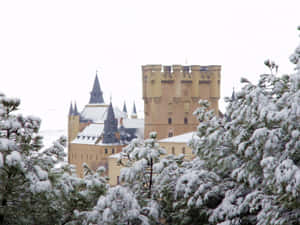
(171, 95)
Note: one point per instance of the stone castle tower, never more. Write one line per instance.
(171, 94)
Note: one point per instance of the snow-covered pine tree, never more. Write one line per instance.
(37, 186)
(256, 150)
(118, 207)
(139, 159)
(23, 183)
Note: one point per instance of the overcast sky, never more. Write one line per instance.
(50, 50)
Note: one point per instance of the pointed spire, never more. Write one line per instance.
(134, 109)
(71, 112)
(124, 107)
(134, 114)
(75, 112)
(110, 127)
(96, 94)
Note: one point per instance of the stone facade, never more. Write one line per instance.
(171, 94)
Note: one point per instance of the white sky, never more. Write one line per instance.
(50, 50)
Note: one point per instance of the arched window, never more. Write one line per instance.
(183, 150)
(113, 151)
(185, 120)
(173, 150)
(169, 120)
(105, 150)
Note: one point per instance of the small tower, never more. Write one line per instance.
(134, 114)
(110, 127)
(73, 122)
(96, 94)
(125, 109)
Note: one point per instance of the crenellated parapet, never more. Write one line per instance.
(155, 75)
(171, 94)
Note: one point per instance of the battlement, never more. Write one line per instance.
(179, 78)
(179, 68)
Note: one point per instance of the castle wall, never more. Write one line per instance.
(93, 155)
(171, 95)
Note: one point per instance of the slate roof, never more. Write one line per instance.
(96, 94)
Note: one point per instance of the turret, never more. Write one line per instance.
(96, 94)
(73, 122)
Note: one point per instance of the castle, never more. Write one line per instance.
(171, 95)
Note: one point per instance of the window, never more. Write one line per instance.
(173, 150)
(113, 151)
(186, 107)
(105, 150)
(185, 120)
(118, 180)
(183, 150)
(170, 121)
(170, 134)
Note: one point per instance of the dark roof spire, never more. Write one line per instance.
(124, 107)
(110, 127)
(75, 112)
(71, 112)
(134, 114)
(134, 109)
(96, 94)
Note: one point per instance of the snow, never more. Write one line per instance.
(1, 160)
(183, 138)
(13, 159)
(115, 156)
(43, 175)
(89, 135)
(97, 113)
(42, 186)
(133, 123)
(94, 113)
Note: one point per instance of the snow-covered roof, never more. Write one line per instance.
(93, 129)
(182, 138)
(89, 135)
(94, 113)
(133, 123)
(97, 112)
(116, 156)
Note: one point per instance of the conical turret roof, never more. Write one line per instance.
(124, 108)
(71, 112)
(96, 94)
(134, 109)
(75, 111)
